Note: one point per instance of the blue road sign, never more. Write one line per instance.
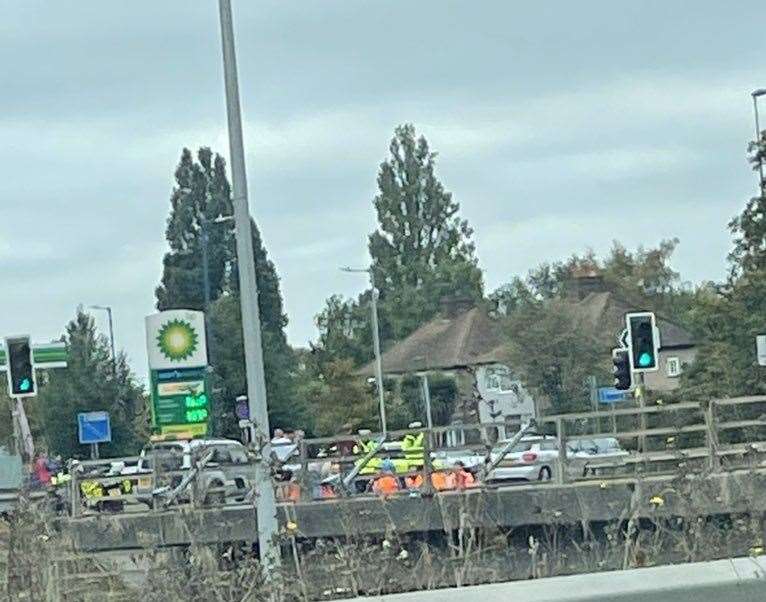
(612, 395)
(94, 427)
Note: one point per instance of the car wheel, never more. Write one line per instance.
(545, 474)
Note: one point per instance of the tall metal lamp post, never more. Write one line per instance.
(266, 507)
(375, 344)
(108, 311)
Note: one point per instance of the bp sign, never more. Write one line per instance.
(176, 339)
(177, 355)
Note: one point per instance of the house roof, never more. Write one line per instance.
(470, 338)
(607, 310)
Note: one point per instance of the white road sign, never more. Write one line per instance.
(760, 345)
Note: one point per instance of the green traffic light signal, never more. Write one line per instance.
(20, 366)
(645, 360)
(643, 341)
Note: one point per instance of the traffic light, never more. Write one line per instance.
(21, 371)
(643, 341)
(623, 378)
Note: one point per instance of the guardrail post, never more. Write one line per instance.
(428, 467)
(561, 474)
(303, 478)
(74, 489)
(714, 461)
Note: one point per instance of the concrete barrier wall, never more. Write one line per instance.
(735, 580)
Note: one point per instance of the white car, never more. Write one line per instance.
(586, 455)
(446, 458)
(533, 458)
(228, 468)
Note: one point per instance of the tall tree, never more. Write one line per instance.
(201, 195)
(728, 317)
(555, 352)
(422, 250)
(90, 382)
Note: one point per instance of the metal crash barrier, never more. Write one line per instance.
(719, 436)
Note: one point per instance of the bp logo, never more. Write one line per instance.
(177, 340)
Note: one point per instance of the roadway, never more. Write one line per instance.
(734, 580)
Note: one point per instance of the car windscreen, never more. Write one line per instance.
(167, 457)
(519, 448)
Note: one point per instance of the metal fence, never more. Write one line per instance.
(721, 435)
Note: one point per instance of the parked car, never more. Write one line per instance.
(586, 455)
(446, 458)
(228, 472)
(533, 458)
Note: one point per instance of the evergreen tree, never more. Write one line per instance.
(91, 382)
(422, 250)
(201, 195)
(727, 318)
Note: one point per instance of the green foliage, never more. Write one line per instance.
(89, 383)
(285, 408)
(444, 392)
(643, 274)
(339, 400)
(726, 320)
(555, 353)
(201, 195)
(421, 251)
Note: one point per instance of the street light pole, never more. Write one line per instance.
(376, 346)
(108, 311)
(761, 182)
(248, 292)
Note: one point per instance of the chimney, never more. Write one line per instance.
(583, 282)
(454, 305)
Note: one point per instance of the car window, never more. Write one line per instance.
(221, 453)
(607, 444)
(167, 457)
(519, 448)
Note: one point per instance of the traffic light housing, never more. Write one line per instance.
(643, 341)
(623, 377)
(20, 367)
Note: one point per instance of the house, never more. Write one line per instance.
(591, 299)
(465, 341)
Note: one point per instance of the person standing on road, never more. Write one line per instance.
(386, 483)
(42, 474)
(463, 478)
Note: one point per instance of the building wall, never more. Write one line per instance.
(509, 399)
(662, 380)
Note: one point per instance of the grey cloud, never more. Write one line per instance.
(553, 122)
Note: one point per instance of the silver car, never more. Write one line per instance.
(533, 458)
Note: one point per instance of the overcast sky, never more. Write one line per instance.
(559, 127)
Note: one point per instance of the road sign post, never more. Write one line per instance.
(94, 428)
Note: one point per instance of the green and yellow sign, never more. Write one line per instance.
(177, 355)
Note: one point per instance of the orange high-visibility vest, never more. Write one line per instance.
(440, 481)
(414, 481)
(386, 485)
(465, 480)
